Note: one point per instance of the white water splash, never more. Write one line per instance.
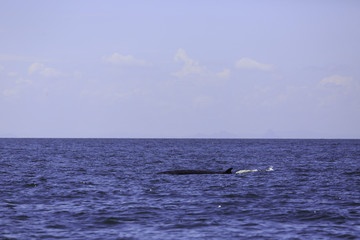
(254, 170)
(246, 171)
(270, 169)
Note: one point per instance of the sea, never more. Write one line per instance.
(111, 189)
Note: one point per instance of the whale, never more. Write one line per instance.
(186, 172)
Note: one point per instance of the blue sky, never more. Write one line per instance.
(247, 69)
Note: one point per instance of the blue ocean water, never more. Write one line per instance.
(110, 189)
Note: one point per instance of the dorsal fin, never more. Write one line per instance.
(228, 171)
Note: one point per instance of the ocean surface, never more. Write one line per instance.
(110, 189)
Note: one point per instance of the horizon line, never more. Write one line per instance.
(184, 138)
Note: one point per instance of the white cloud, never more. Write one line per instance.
(126, 60)
(90, 93)
(23, 81)
(12, 74)
(50, 72)
(335, 80)
(35, 67)
(16, 88)
(250, 64)
(43, 70)
(224, 74)
(9, 92)
(190, 65)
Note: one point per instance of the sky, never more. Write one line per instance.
(180, 69)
